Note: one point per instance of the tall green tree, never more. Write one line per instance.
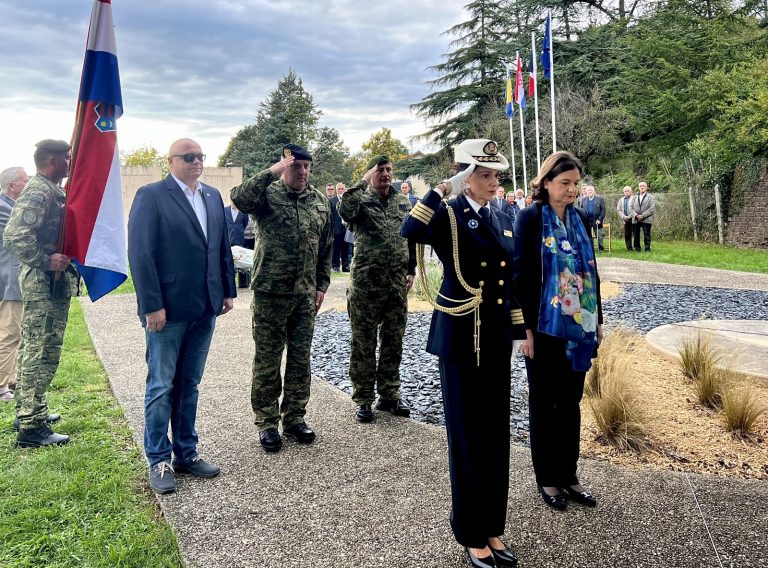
(329, 158)
(381, 142)
(287, 115)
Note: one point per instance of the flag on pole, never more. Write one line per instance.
(519, 84)
(531, 77)
(510, 110)
(546, 46)
(94, 230)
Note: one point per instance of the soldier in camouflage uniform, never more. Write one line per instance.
(291, 273)
(382, 273)
(32, 236)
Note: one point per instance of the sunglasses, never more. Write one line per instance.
(190, 157)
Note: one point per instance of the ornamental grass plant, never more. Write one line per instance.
(742, 409)
(698, 355)
(612, 399)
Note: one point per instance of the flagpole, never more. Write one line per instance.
(552, 79)
(536, 100)
(512, 137)
(518, 75)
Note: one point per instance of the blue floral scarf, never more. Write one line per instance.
(568, 297)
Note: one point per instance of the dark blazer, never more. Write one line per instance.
(598, 208)
(485, 255)
(527, 263)
(413, 199)
(236, 227)
(338, 227)
(172, 264)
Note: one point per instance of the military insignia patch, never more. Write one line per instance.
(491, 149)
(29, 216)
(105, 118)
(472, 223)
(287, 153)
(507, 233)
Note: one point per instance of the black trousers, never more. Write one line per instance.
(628, 234)
(646, 235)
(554, 393)
(476, 402)
(340, 254)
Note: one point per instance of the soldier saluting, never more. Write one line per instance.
(32, 235)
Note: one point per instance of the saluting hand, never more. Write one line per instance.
(278, 168)
(368, 176)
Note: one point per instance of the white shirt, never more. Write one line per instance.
(195, 198)
(234, 211)
(473, 204)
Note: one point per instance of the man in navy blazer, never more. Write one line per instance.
(237, 221)
(181, 264)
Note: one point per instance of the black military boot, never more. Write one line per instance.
(363, 413)
(50, 419)
(396, 407)
(39, 437)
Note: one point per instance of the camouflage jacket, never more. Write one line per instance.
(380, 251)
(32, 235)
(294, 236)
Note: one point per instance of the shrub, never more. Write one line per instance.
(742, 409)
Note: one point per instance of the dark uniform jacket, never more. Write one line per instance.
(527, 263)
(485, 259)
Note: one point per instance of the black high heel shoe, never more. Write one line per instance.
(583, 497)
(487, 562)
(504, 558)
(555, 501)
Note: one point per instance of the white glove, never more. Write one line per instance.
(456, 183)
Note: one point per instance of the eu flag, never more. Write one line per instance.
(546, 47)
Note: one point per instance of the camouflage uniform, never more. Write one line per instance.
(32, 236)
(377, 297)
(291, 262)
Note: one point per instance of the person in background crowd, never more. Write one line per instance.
(594, 206)
(624, 209)
(528, 199)
(513, 208)
(237, 222)
(340, 254)
(520, 200)
(407, 190)
(556, 276)
(643, 207)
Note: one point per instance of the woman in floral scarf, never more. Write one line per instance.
(559, 291)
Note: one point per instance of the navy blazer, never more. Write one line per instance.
(485, 255)
(236, 227)
(173, 266)
(338, 227)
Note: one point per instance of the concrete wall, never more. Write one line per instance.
(749, 228)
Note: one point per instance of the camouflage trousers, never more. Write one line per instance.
(376, 316)
(280, 320)
(43, 323)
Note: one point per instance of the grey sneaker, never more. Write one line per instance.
(162, 479)
(39, 437)
(197, 468)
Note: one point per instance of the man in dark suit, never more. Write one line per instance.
(340, 254)
(237, 221)
(407, 190)
(179, 297)
(594, 206)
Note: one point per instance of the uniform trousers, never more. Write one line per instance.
(554, 393)
(43, 323)
(10, 336)
(476, 403)
(376, 315)
(280, 319)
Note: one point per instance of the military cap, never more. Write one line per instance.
(378, 161)
(53, 146)
(481, 152)
(296, 151)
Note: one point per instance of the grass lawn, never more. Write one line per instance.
(696, 254)
(85, 504)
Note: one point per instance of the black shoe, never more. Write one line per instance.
(601, 249)
(335, 269)
(301, 432)
(364, 413)
(396, 407)
(50, 419)
(162, 479)
(555, 501)
(504, 557)
(197, 468)
(345, 269)
(270, 440)
(39, 437)
(487, 562)
(583, 497)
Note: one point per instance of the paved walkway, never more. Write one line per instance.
(378, 495)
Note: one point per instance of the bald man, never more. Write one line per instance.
(179, 297)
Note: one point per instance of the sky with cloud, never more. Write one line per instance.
(200, 68)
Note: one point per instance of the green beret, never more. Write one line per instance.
(378, 160)
(53, 146)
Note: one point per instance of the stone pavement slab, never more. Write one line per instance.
(378, 495)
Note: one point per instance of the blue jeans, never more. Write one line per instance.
(175, 362)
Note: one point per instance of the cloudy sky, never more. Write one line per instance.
(200, 68)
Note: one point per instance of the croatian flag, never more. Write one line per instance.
(94, 230)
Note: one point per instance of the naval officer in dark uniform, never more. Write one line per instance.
(475, 321)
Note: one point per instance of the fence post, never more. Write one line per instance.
(719, 209)
(693, 213)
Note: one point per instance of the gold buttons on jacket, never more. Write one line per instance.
(483, 264)
(482, 283)
(499, 301)
(503, 263)
(501, 283)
